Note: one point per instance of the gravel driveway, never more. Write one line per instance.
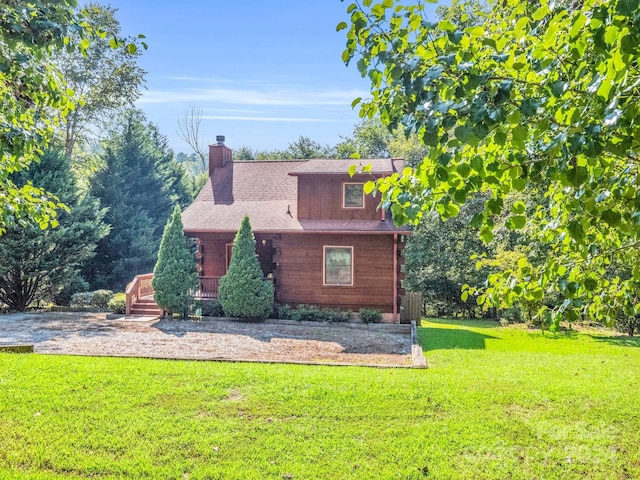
(221, 339)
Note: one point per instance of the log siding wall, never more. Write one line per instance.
(296, 263)
(321, 197)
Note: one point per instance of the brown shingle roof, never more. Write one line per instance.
(379, 166)
(266, 192)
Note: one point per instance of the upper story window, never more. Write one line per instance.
(338, 266)
(353, 195)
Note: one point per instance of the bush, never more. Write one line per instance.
(512, 315)
(74, 285)
(370, 315)
(97, 299)
(312, 313)
(628, 324)
(243, 292)
(175, 276)
(285, 312)
(117, 303)
(82, 299)
(210, 308)
(100, 298)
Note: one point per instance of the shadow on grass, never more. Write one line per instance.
(448, 338)
(618, 340)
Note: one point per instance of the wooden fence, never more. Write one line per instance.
(411, 308)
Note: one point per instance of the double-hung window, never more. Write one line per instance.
(353, 195)
(338, 266)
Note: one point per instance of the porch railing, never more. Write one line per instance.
(138, 288)
(207, 288)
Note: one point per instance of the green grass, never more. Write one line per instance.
(496, 403)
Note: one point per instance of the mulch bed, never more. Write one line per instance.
(208, 339)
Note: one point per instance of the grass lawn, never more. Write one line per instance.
(496, 403)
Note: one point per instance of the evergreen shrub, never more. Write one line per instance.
(243, 292)
(118, 303)
(175, 276)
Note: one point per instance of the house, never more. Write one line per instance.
(319, 238)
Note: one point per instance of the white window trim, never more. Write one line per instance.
(324, 266)
(344, 195)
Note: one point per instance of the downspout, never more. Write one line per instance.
(395, 278)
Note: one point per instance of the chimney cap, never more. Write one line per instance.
(220, 139)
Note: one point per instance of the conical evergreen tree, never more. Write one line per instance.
(243, 292)
(139, 186)
(175, 276)
(37, 264)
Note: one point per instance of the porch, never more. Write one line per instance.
(139, 294)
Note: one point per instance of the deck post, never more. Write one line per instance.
(395, 278)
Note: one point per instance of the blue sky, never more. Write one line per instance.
(262, 72)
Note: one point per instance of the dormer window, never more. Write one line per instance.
(353, 195)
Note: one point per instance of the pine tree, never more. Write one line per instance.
(35, 263)
(140, 184)
(243, 291)
(175, 276)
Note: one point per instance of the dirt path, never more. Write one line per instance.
(93, 334)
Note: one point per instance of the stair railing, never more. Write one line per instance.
(138, 288)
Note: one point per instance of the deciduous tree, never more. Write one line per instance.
(541, 93)
(34, 96)
(104, 80)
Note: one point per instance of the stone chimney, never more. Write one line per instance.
(219, 154)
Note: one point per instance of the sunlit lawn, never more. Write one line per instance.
(495, 403)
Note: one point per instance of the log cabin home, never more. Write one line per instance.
(319, 238)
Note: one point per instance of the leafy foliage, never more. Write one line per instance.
(35, 263)
(34, 97)
(243, 292)
(104, 80)
(312, 313)
(118, 303)
(370, 315)
(175, 276)
(538, 94)
(210, 308)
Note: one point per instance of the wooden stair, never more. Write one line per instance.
(146, 306)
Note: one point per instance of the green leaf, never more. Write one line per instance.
(486, 234)
(341, 26)
(611, 218)
(517, 222)
(352, 170)
(518, 207)
(369, 187)
(627, 7)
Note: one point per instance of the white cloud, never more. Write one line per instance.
(238, 96)
(266, 119)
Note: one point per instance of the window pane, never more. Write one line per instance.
(353, 195)
(337, 266)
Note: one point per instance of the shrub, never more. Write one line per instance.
(628, 324)
(285, 312)
(100, 298)
(312, 313)
(370, 315)
(210, 308)
(243, 292)
(117, 303)
(512, 315)
(175, 276)
(74, 285)
(82, 299)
